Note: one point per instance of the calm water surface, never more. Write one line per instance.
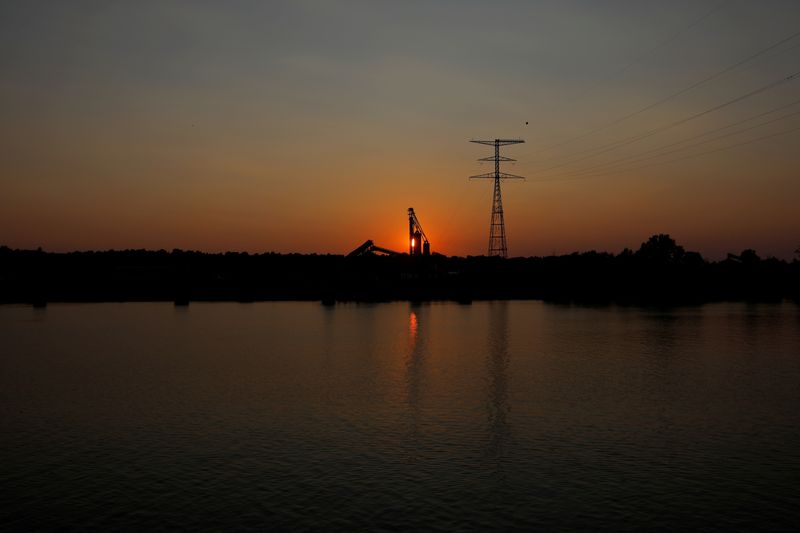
(496, 415)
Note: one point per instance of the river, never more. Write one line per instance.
(495, 415)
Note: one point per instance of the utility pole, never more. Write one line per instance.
(497, 228)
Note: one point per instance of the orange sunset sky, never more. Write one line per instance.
(311, 126)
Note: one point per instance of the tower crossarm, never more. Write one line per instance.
(500, 175)
(499, 158)
(498, 142)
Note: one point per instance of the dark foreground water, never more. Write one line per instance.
(499, 415)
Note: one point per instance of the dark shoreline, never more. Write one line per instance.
(660, 272)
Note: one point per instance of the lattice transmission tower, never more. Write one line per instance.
(497, 228)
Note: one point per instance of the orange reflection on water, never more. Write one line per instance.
(412, 326)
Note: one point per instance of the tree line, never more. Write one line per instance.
(659, 272)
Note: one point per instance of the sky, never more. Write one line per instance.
(311, 126)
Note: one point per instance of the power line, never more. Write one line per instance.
(587, 150)
(635, 138)
(723, 148)
(691, 156)
(677, 93)
(655, 48)
(638, 160)
(637, 157)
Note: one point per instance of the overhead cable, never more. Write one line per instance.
(677, 93)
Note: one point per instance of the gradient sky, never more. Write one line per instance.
(311, 126)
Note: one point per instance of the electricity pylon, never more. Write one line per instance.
(497, 228)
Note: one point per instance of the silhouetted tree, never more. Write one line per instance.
(749, 257)
(661, 249)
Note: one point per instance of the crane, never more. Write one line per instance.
(417, 240)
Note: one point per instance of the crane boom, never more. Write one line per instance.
(417, 240)
(368, 248)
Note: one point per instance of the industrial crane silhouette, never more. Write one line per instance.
(497, 227)
(417, 240)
